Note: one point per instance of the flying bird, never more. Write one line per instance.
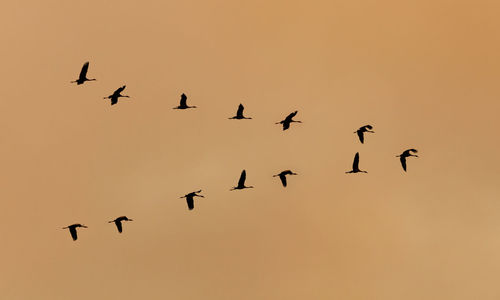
(83, 75)
(190, 198)
(241, 182)
(282, 176)
(116, 94)
(404, 155)
(72, 230)
(362, 130)
(239, 113)
(183, 104)
(355, 165)
(289, 119)
(118, 222)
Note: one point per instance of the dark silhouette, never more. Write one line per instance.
(404, 155)
(72, 230)
(183, 104)
(355, 165)
(282, 176)
(239, 113)
(118, 222)
(362, 130)
(190, 198)
(286, 122)
(83, 75)
(241, 182)
(116, 94)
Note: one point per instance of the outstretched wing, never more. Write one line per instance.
(290, 116)
(119, 226)
(183, 99)
(355, 163)
(403, 162)
(83, 72)
(119, 90)
(243, 176)
(286, 125)
(239, 113)
(283, 179)
(114, 100)
(122, 218)
(190, 202)
(72, 230)
(361, 136)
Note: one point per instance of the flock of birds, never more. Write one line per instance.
(241, 182)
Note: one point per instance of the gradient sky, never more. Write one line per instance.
(424, 73)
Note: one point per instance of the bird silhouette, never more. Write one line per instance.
(116, 94)
(289, 119)
(282, 176)
(404, 155)
(355, 165)
(190, 198)
(83, 75)
(239, 113)
(241, 182)
(362, 130)
(72, 230)
(183, 104)
(118, 222)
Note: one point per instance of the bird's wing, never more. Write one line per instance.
(119, 90)
(239, 113)
(72, 230)
(290, 116)
(361, 136)
(119, 225)
(243, 176)
(403, 162)
(368, 127)
(286, 125)
(355, 163)
(286, 172)
(114, 100)
(190, 202)
(183, 100)
(283, 179)
(83, 72)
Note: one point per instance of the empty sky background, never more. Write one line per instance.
(424, 73)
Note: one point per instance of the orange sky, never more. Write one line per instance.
(424, 74)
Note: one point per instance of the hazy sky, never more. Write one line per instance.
(424, 73)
